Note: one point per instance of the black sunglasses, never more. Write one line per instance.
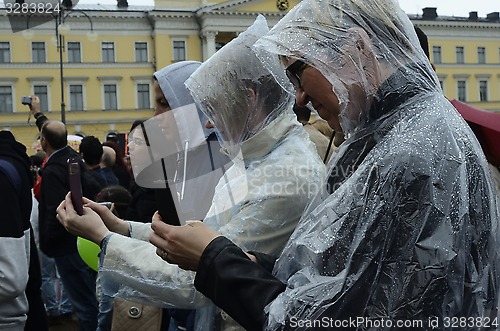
(293, 72)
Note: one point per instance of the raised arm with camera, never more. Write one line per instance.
(34, 103)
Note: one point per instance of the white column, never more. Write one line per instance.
(208, 44)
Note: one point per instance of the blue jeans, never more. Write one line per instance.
(55, 298)
(79, 281)
(105, 317)
(181, 319)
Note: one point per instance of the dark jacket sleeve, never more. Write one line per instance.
(40, 121)
(264, 260)
(237, 285)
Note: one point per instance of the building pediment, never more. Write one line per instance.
(238, 7)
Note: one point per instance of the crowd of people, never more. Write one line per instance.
(236, 211)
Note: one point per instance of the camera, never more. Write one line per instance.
(26, 101)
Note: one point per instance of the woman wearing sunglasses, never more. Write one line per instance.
(405, 231)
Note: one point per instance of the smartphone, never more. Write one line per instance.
(166, 206)
(107, 204)
(75, 184)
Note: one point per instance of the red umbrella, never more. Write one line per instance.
(486, 127)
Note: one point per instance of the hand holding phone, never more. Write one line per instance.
(75, 185)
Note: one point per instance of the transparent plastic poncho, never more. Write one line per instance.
(406, 228)
(237, 93)
(173, 151)
(258, 200)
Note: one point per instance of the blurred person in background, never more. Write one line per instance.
(78, 279)
(91, 153)
(120, 168)
(108, 160)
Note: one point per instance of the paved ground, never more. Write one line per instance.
(64, 325)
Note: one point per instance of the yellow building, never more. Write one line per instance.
(109, 54)
(466, 53)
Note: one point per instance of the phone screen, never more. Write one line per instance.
(166, 207)
(75, 185)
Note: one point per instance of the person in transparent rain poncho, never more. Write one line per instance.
(173, 154)
(258, 201)
(405, 230)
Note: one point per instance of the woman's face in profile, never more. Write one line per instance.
(139, 154)
(312, 86)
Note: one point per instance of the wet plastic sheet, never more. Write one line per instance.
(258, 200)
(406, 231)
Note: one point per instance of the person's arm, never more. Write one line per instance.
(130, 262)
(89, 225)
(266, 261)
(229, 278)
(112, 222)
(37, 113)
(225, 274)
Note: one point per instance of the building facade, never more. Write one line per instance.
(466, 54)
(108, 55)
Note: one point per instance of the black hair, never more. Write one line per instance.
(136, 124)
(118, 195)
(424, 42)
(91, 150)
(36, 160)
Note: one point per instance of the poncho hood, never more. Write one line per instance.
(337, 37)
(237, 93)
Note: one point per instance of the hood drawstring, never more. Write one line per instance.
(186, 145)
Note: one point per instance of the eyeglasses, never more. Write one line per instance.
(138, 141)
(293, 72)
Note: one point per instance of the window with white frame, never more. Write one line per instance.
(110, 96)
(42, 92)
(179, 50)
(38, 52)
(76, 97)
(74, 52)
(108, 51)
(459, 53)
(4, 52)
(461, 90)
(436, 54)
(483, 90)
(481, 55)
(143, 96)
(6, 99)
(141, 52)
